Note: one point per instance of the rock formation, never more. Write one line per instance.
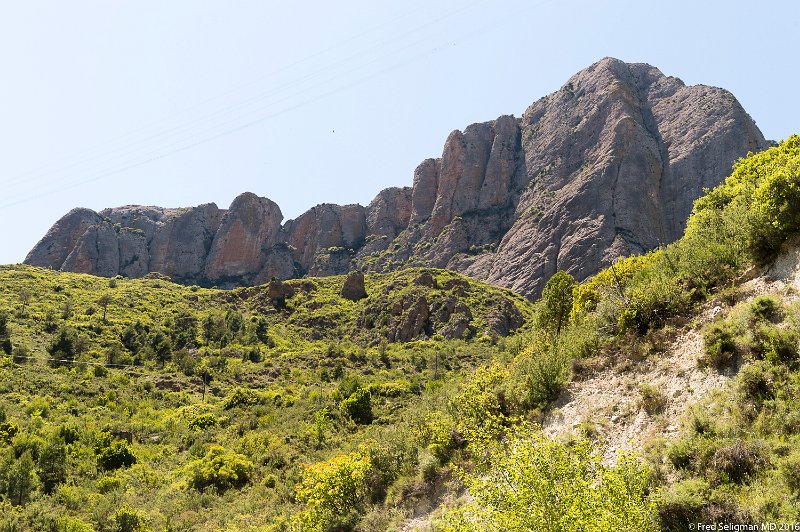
(608, 165)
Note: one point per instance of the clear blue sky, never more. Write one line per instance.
(188, 101)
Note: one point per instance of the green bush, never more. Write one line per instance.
(737, 462)
(358, 406)
(533, 483)
(766, 308)
(112, 454)
(203, 421)
(719, 345)
(219, 469)
(242, 397)
(652, 400)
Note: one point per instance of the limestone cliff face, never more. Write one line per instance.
(609, 165)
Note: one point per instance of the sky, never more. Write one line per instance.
(107, 103)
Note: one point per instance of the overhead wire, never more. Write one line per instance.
(183, 144)
(154, 137)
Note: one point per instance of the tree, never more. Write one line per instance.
(5, 334)
(64, 345)
(20, 480)
(162, 346)
(104, 301)
(52, 464)
(533, 483)
(556, 302)
(24, 298)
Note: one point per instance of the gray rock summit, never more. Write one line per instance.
(608, 165)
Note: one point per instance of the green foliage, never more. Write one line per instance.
(331, 490)
(556, 302)
(203, 421)
(64, 345)
(538, 374)
(535, 483)
(358, 406)
(652, 399)
(219, 469)
(719, 344)
(112, 454)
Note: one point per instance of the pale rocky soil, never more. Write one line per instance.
(609, 402)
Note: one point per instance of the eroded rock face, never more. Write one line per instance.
(609, 165)
(248, 229)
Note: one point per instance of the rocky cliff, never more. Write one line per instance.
(608, 165)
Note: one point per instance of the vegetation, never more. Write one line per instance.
(141, 404)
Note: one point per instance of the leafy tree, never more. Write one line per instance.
(556, 302)
(333, 489)
(104, 301)
(52, 464)
(533, 483)
(64, 344)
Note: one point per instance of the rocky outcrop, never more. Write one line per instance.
(609, 165)
(353, 286)
(249, 228)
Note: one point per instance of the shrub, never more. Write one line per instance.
(652, 400)
(331, 490)
(737, 462)
(242, 397)
(358, 406)
(719, 345)
(64, 344)
(126, 519)
(756, 384)
(535, 483)
(203, 421)
(790, 471)
(766, 308)
(538, 375)
(680, 507)
(219, 469)
(112, 454)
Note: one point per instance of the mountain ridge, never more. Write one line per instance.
(608, 165)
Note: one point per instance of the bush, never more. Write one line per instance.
(737, 462)
(680, 507)
(63, 346)
(652, 400)
(112, 454)
(242, 397)
(126, 519)
(358, 406)
(535, 483)
(219, 469)
(790, 471)
(538, 375)
(203, 421)
(719, 345)
(766, 308)
(331, 490)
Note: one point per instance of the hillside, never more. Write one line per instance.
(291, 407)
(607, 166)
(120, 394)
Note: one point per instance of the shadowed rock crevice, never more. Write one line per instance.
(609, 165)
